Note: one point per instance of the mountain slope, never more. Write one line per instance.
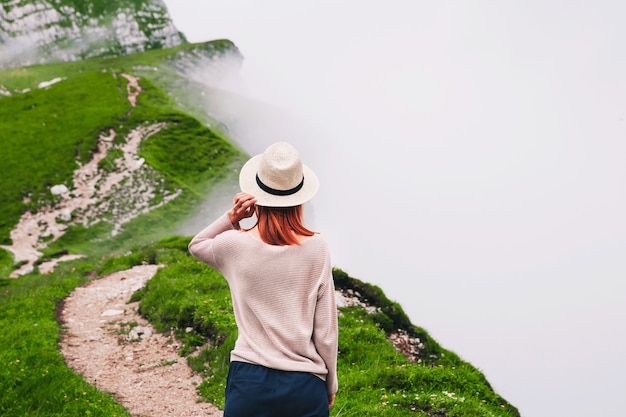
(74, 167)
(387, 365)
(103, 158)
(40, 31)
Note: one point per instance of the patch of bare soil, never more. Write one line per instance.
(146, 375)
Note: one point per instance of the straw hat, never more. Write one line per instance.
(277, 177)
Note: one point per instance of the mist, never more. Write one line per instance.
(471, 162)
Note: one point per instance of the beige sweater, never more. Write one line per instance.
(283, 299)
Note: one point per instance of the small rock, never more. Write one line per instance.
(65, 215)
(139, 332)
(109, 313)
(145, 332)
(340, 300)
(133, 335)
(45, 84)
(59, 189)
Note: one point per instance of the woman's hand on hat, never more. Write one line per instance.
(243, 207)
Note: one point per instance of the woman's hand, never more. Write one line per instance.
(331, 400)
(243, 207)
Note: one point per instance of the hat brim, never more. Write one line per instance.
(248, 184)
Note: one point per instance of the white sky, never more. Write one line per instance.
(472, 164)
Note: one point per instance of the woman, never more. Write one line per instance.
(280, 278)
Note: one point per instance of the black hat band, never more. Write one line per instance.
(274, 191)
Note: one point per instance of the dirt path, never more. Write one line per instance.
(132, 88)
(146, 376)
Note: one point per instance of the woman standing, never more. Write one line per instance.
(280, 278)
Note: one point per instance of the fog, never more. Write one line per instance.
(471, 159)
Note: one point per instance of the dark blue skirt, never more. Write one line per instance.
(257, 391)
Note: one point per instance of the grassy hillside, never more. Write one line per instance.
(40, 154)
(375, 378)
(91, 99)
(52, 130)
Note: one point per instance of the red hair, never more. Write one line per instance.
(281, 225)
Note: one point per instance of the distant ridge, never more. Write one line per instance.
(44, 31)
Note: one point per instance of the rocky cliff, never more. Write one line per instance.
(42, 31)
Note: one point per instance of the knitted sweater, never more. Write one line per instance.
(283, 299)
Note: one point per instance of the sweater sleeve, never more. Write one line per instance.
(325, 332)
(201, 246)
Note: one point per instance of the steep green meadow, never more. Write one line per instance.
(42, 139)
(45, 131)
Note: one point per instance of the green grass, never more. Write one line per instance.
(42, 140)
(161, 67)
(188, 154)
(6, 263)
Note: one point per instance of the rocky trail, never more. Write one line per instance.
(108, 343)
(112, 347)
